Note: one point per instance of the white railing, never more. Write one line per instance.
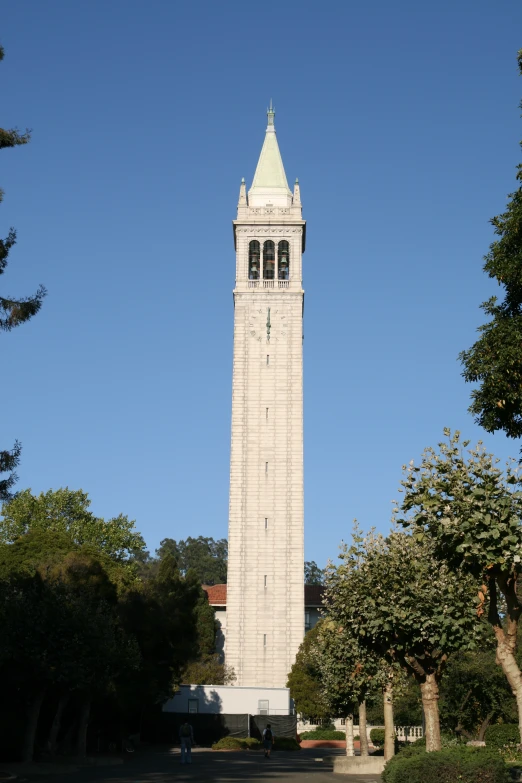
(403, 733)
(269, 283)
(409, 733)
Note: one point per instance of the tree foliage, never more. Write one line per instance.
(203, 555)
(9, 461)
(475, 693)
(403, 605)
(60, 628)
(161, 614)
(304, 679)
(13, 312)
(66, 511)
(81, 626)
(469, 511)
(350, 673)
(313, 575)
(495, 360)
(208, 670)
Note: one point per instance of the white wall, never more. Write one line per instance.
(230, 699)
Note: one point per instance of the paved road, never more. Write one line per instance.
(211, 768)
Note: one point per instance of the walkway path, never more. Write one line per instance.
(312, 766)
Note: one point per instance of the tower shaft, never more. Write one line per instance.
(265, 589)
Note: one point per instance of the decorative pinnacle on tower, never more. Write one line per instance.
(270, 113)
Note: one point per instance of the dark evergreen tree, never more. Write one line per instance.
(13, 312)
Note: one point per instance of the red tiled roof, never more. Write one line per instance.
(217, 594)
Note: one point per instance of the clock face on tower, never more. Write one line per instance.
(267, 324)
(255, 324)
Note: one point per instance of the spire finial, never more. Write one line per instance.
(270, 113)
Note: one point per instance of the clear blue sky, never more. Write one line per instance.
(401, 121)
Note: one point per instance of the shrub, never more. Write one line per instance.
(229, 743)
(237, 743)
(463, 764)
(502, 734)
(447, 740)
(286, 743)
(323, 734)
(377, 737)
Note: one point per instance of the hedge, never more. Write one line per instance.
(326, 734)
(466, 765)
(502, 734)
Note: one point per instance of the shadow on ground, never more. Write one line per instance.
(212, 767)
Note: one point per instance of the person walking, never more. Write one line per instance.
(268, 740)
(186, 736)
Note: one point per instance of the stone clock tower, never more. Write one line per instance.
(265, 590)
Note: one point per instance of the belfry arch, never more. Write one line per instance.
(283, 260)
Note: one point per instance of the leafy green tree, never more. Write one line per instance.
(66, 511)
(495, 360)
(407, 702)
(161, 614)
(206, 557)
(60, 630)
(405, 606)
(13, 312)
(205, 618)
(304, 680)
(208, 670)
(351, 676)
(475, 693)
(313, 575)
(470, 511)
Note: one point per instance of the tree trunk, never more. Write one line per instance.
(349, 736)
(32, 715)
(430, 704)
(484, 727)
(81, 740)
(507, 639)
(57, 723)
(363, 733)
(389, 728)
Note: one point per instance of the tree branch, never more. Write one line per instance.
(415, 666)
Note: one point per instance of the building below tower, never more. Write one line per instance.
(217, 597)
